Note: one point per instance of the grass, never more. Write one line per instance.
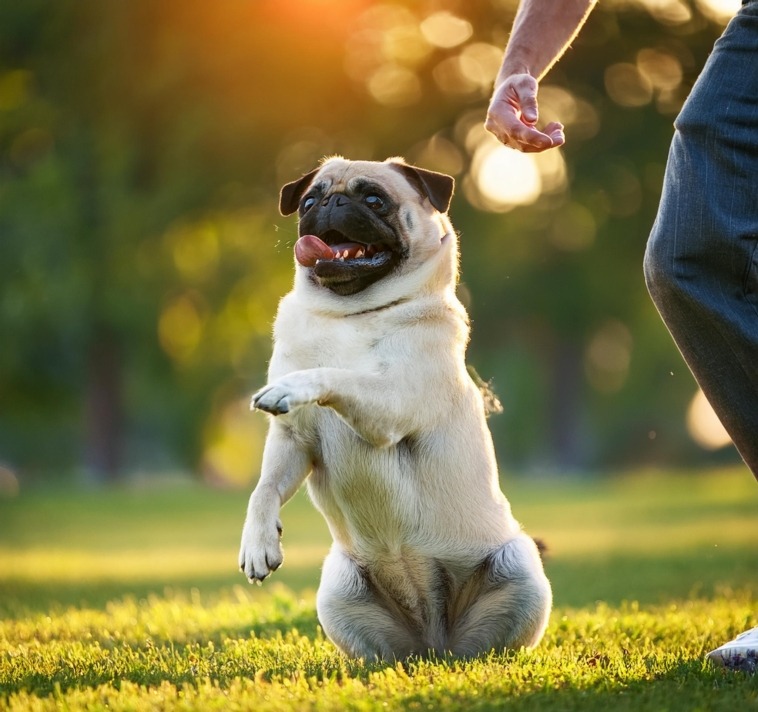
(129, 599)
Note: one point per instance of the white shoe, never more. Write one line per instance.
(738, 654)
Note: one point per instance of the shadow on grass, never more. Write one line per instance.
(687, 685)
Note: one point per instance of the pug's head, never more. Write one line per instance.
(363, 221)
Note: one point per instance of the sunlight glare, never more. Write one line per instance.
(505, 178)
(501, 178)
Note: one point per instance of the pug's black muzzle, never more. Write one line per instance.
(365, 243)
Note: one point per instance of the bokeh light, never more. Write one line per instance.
(662, 69)
(501, 178)
(443, 29)
(384, 34)
(15, 88)
(704, 425)
(394, 85)
(668, 12)
(233, 445)
(627, 86)
(608, 356)
(181, 325)
(195, 250)
(580, 117)
(719, 10)
(438, 154)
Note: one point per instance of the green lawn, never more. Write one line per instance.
(130, 599)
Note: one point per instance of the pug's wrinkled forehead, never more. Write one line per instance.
(340, 176)
(394, 176)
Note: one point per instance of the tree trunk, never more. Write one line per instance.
(565, 418)
(104, 408)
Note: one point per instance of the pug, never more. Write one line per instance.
(371, 403)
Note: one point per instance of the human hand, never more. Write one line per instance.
(512, 117)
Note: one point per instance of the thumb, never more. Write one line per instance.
(529, 110)
(524, 89)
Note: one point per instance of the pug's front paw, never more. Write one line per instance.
(286, 394)
(261, 550)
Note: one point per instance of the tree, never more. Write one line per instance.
(141, 258)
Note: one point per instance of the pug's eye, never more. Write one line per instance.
(374, 202)
(308, 203)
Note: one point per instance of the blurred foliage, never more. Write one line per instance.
(142, 146)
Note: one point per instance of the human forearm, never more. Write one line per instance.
(542, 31)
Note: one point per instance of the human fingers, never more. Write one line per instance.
(551, 136)
(555, 130)
(511, 132)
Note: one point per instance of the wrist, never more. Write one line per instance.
(512, 67)
(507, 73)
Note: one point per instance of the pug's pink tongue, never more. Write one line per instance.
(309, 249)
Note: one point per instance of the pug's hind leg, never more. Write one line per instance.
(513, 605)
(353, 617)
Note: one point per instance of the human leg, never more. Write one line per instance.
(701, 263)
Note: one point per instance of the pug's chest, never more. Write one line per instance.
(368, 488)
(338, 454)
(327, 348)
(306, 339)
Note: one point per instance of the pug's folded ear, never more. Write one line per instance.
(438, 187)
(290, 194)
